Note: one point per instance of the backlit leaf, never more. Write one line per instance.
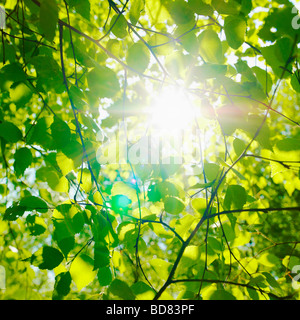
(235, 197)
(34, 203)
(82, 271)
(48, 18)
(46, 258)
(235, 29)
(10, 132)
(138, 57)
(121, 290)
(173, 205)
(211, 47)
(135, 10)
(118, 26)
(62, 285)
(23, 159)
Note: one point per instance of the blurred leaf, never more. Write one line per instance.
(103, 82)
(211, 171)
(239, 146)
(46, 258)
(118, 26)
(82, 7)
(60, 132)
(10, 132)
(62, 285)
(138, 57)
(235, 30)
(211, 47)
(221, 295)
(181, 12)
(13, 213)
(23, 159)
(48, 18)
(104, 276)
(173, 205)
(121, 289)
(135, 10)
(101, 255)
(201, 7)
(82, 271)
(226, 7)
(34, 203)
(235, 197)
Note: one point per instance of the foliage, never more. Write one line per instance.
(75, 224)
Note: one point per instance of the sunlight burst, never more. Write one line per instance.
(171, 111)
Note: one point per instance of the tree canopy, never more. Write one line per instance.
(150, 149)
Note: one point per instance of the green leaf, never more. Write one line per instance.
(118, 26)
(13, 213)
(287, 149)
(104, 276)
(271, 280)
(156, 11)
(60, 132)
(39, 135)
(31, 203)
(277, 55)
(232, 169)
(235, 30)
(135, 10)
(36, 225)
(46, 258)
(121, 289)
(142, 291)
(138, 57)
(10, 132)
(62, 285)
(173, 205)
(82, 271)
(231, 118)
(278, 17)
(48, 18)
(84, 177)
(203, 185)
(209, 71)
(235, 197)
(154, 193)
(226, 6)
(161, 267)
(13, 72)
(264, 78)
(101, 255)
(66, 244)
(201, 8)
(199, 205)
(23, 159)
(211, 47)
(103, 83)
(82, 7)
(253, 124)
(239, 146)
(78, 97)
(181, 12)
(221, 295)
(211, 171)
(49, 73)
(121, 188)
(295, 81)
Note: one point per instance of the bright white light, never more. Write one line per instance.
(171, 111)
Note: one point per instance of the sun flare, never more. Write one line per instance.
(171, 111)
